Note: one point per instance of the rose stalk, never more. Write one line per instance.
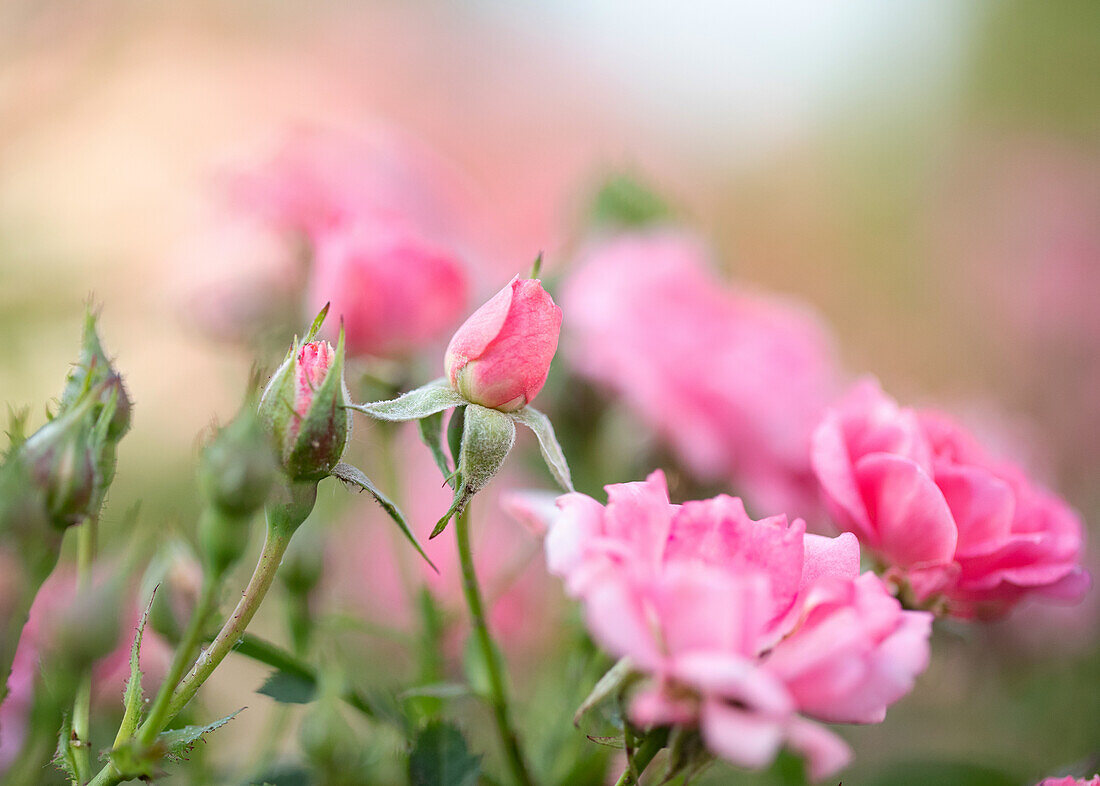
(495, 364)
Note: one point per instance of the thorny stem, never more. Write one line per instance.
(188, 646)
(644, 755)
(275, 544)
(498, 698)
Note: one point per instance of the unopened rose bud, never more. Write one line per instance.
(501, 355)
(88, 629)
(304, 408)
(61, 457)
(93, 370)
(238, 467)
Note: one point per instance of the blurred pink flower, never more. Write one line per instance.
(110, 675)
(742, 627)
(381, 224)
(501, 355)
(733, 381)
(926, 499)
(1070, 781)
(394, 290)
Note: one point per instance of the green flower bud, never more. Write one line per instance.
(62, 459)
(93, 370)
(237, 466)
(304, 407)
(88, 629)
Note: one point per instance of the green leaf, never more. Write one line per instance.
(179, 742)
(436, 396)
(548, 444)
(610, 684)
(487, 437)
(431, 433)
(289, 688)
(317, 322)
(355, 477)
(133, 699)
(454, 434)
(64, 758)
(440, 757)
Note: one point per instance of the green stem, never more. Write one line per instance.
(82, 704)
(188, 647)
(275, 544)
(498, 698)
(642, 757)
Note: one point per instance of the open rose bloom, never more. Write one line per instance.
(748, 630)
(943, 516)
(1070, 781)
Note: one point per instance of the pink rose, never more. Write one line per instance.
(744, 629)
(928, 501)
(1070, 781)
(501, 355)
(734, 381)
(394, 291)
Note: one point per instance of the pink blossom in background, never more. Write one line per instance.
(733, 381)
(374, 570)
(394, 290)
(746, 629)
(111, 673)
(376, 226)
(500, 356)
(316, 178)
(926, 499)
(1070, 781)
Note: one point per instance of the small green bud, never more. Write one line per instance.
(304, 408)
(88, 629)
(62, 459)
(237, 466)
(93, 370)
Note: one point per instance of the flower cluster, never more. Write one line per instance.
(944, 517)
(745, 629)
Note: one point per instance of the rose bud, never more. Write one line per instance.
(501, 355)
(238, 467)
(62, 457)
(94, 370)
(304, 409)
(236, 472)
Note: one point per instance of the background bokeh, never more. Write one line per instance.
(925, 174)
